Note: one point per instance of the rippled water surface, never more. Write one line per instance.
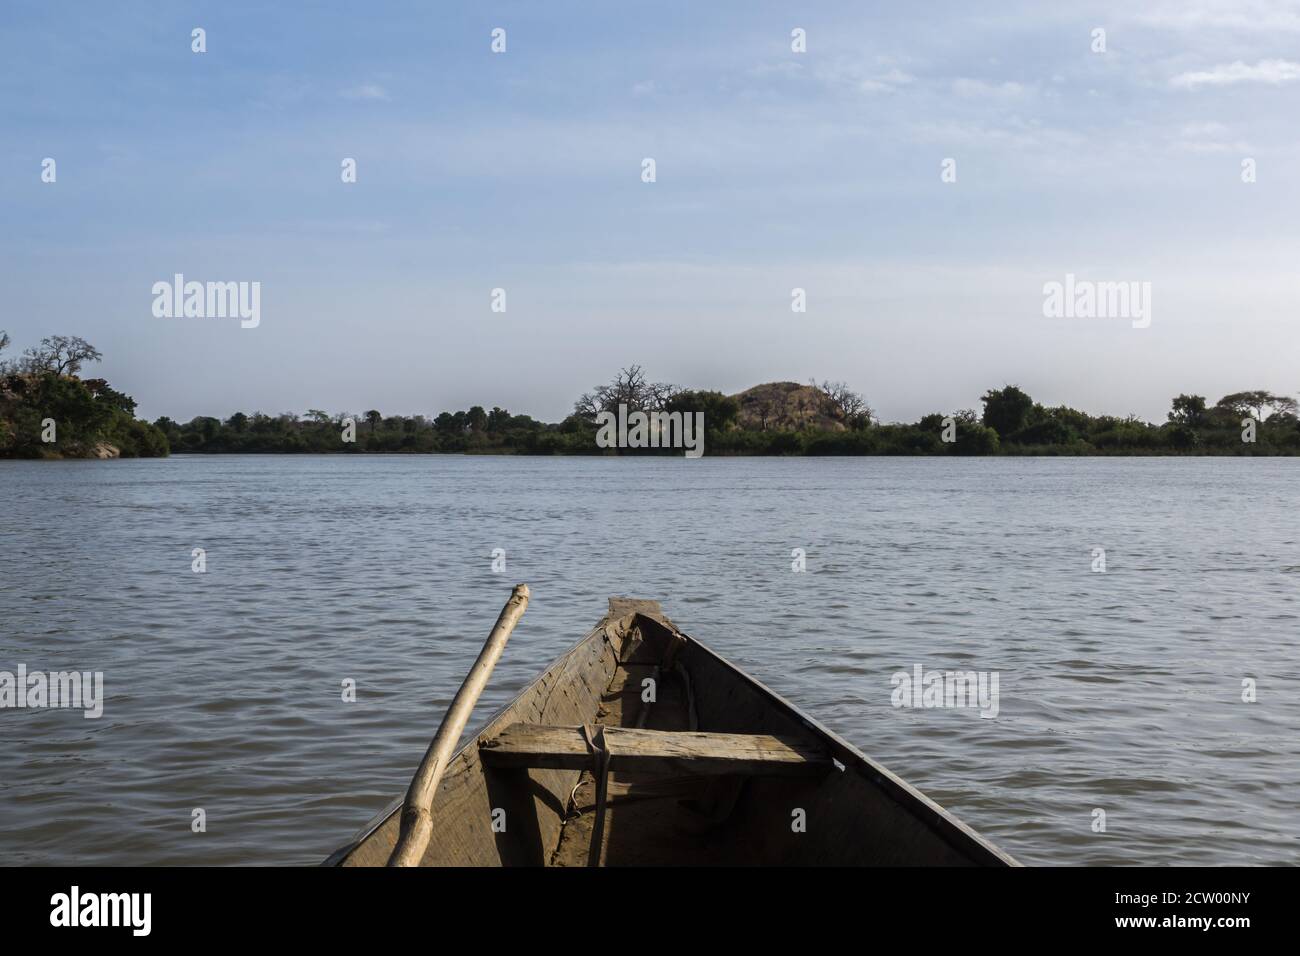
(1120, 691)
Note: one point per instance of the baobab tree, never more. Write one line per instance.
(629, 387)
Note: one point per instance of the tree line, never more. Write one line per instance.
(1010, 422)
(44, 385)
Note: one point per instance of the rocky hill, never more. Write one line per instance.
(786, 405)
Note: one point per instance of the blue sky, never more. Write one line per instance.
(775, 170)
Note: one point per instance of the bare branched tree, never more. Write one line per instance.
(60, 354)
(631, 388)
(843, 402)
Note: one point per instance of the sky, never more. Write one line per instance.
(774, 170)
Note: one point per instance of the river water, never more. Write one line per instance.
(1119, 691)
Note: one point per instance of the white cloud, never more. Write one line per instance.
(1227, 74)
(1209, 137)
(848, 74)
(788, 68)
(885, 82)
(366, 91)
(978, 89)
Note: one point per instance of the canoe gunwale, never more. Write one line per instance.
(953, 831)
(471, 740)
(624, 612)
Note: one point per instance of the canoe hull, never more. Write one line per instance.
(857, 813)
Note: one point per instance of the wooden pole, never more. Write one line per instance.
(417, 819)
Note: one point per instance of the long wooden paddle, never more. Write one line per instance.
(417, 819)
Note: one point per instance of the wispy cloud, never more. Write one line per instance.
(1210, 137)
(851, 75)
(979, 89)
(885, 82)
(366, 91)
(1273, 72)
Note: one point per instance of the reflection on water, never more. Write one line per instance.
(1119, 691)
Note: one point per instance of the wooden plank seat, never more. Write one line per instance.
(684, 753)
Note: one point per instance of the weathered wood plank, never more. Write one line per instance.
(623, 606)
(535, 800)
(656, 751)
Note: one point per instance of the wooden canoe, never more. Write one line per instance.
(716, 769)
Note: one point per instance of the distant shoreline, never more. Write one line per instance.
(607, 457)
(48, 411)
(772, 420)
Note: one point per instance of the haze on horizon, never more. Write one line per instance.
(775, 170)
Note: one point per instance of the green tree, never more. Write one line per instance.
(1255, 402)
(974, 438)
(476, 418)
(445, 424)
(1183, 437)
(719, 410)
(103, 392)
(1006, 410)
(1188, 410)
(169, 429)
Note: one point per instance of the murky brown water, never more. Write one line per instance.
(1119, 691)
